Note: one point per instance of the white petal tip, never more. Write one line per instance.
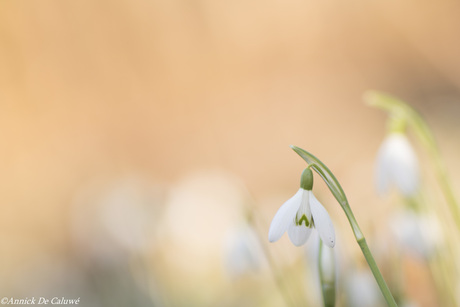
(323, 222)
(330, 243)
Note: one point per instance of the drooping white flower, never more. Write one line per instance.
(300, 214)
(397, 164)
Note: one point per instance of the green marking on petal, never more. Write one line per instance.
(303, 218)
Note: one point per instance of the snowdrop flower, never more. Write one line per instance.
(300, 214)
(242, 250)
(397, 164)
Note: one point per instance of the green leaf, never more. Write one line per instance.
(325, 173)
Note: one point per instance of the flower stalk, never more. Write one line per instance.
(327, 274)
(339, 194)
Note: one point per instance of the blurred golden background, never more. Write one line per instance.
(135, 134)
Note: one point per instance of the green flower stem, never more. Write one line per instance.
(377, 275)
(336, 189)
(327, 274)
(369, 258)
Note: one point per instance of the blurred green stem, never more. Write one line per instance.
(440, 272)
(442, 265)
(327, 274)
(280, 283)
(445, 185)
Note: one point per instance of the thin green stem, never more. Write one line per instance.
(353, 223)
(369, 258)
(377, 275)
(326, 267)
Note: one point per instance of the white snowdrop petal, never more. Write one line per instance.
(284, 217)
(322, 222)
(298, 234)
(406, 177)
(405, 170)
(397, 163)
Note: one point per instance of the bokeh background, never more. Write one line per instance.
(142, 142)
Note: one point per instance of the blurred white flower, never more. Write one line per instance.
(397, 164)
(243, 252)
(298, 216)
(418, 233)
(362, 290)
(111, 218)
